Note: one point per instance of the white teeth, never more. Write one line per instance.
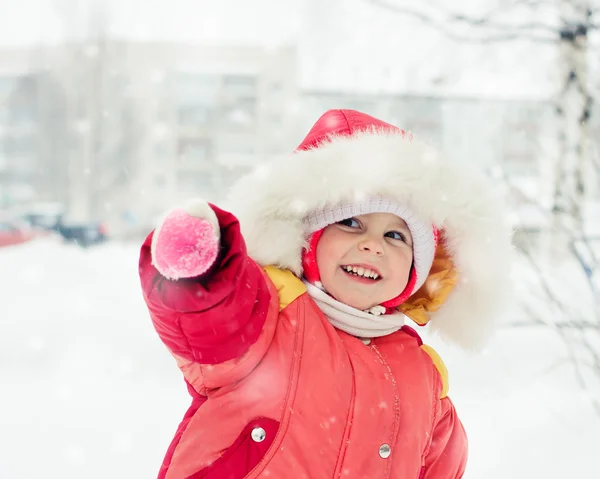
(360, 271)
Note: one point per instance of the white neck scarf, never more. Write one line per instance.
(353, 321)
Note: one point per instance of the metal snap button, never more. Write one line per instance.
(385, 450)
(258, 434)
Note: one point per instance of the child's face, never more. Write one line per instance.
(375, 244)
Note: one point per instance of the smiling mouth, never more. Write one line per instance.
(361, 272)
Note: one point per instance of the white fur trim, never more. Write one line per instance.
(155, 235)
(201, 209)
(272, 202)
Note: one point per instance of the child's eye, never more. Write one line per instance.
(396, 235)
(350, 223)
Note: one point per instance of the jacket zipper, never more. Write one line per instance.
(396, 407)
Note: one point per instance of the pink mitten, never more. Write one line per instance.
(186, 243)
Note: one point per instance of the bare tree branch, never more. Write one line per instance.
(488, 22)
(504, 33)
(566, 326)
(582, 340)
(537, 3)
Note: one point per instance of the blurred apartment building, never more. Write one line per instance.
(120, 131)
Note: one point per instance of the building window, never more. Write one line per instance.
(18, 101)
(276, 87)
(19, 146)
(197, 97)
(196, 89)
(162, 150)
(194, 152)
(7, 87)
(194, 115)
(240, 86)
(240, 113)
(236, 145)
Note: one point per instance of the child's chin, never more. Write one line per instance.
(362, 306)
(354, 299)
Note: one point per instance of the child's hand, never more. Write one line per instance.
(186, 242)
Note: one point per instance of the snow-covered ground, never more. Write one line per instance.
(87, 389)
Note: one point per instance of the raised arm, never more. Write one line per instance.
(207, 299)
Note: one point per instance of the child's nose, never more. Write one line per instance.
(371, 246)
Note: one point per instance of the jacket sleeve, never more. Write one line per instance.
(447, 456)
(213, 318)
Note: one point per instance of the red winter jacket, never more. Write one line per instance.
(278, 392)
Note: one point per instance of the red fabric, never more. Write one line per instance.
(408, 290)
(344, 123)
(292, 384)
(309, 258)
(447, 455)
(213, 318)
(411, 332)
(196, 403)
(243, 455)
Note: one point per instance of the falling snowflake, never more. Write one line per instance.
(74, 453)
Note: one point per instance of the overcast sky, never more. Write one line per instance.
(343, 44)
(256, 21)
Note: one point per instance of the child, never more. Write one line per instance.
(290, 331)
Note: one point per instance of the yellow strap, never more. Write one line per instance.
(440, 366)
(288, 286)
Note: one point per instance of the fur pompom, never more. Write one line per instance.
(186, 245)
